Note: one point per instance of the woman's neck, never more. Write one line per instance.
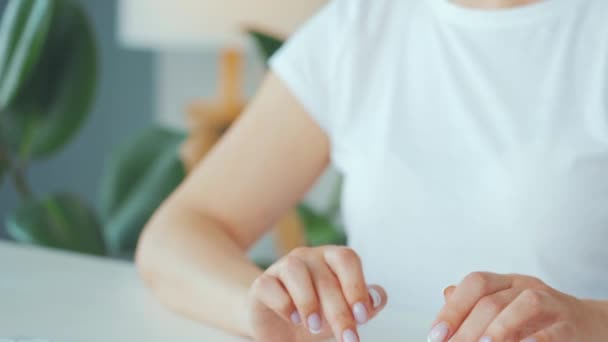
(490, 4)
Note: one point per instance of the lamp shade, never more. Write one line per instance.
(187, 24)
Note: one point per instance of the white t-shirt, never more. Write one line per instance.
(470, 140)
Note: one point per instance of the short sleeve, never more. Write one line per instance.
(306, 62)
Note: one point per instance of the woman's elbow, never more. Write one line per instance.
(146, 251)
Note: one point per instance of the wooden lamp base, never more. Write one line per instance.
(209, 119)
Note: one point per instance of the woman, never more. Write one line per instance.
(473, 136)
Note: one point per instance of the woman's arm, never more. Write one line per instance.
(192, 254)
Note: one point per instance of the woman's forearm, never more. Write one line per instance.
(194, 267)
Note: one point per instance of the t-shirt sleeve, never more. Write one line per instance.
(306, 62)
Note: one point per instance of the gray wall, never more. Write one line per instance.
(124, 105)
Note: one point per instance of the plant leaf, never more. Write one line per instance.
(24, 28)
(53, 102)
(267, 44)
(139, 176)
(59, 221)
(320, 230)
(129, 162)
(336, 198)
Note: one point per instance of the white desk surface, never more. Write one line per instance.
(67, 297)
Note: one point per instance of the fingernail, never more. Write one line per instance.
(486, 339)
(530, 340)
(360, 313)
(314, 323)
(349, 336)
(439, 333)
(295, 318)
(376, 298)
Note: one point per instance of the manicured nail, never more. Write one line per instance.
(314, 323)
(295, 318)
(439, 333)
(360, 313)
(376, 298)
(530, 340)
(349, 336)
(486, 339)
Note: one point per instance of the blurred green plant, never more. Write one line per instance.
(267, 44)
(48, 73)
(138, 177)
(57, 220)
(323, 227)
(48, 76)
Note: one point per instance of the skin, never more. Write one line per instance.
(228, 203)
(192, 253)
(490, 307)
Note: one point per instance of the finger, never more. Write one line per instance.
(448, 291)
(347, 267)
(484, 312)
(560, 332)
(474, 287)
(378, 297)
(296, 278)
(531, 311)
(333, 304)
(269, 291)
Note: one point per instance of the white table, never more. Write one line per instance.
(66, 297)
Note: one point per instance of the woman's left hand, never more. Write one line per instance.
(488, 307)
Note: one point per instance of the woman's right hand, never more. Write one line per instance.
(313, 294)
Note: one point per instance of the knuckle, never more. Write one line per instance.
(499, 331)
(300, 251)
(343, 318)
(534, 299)
(291, 265)
(346, 256)
(356, 291)
(307, 307)
(262, 285)
(463, 336)
(284, 305)
(478, 280)
(491, 305)
(327, 281)
(535, 283)
(265, 290)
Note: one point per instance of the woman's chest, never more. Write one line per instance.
(484, 139)
(463, 156)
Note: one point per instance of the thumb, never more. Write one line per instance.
(378, 299)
